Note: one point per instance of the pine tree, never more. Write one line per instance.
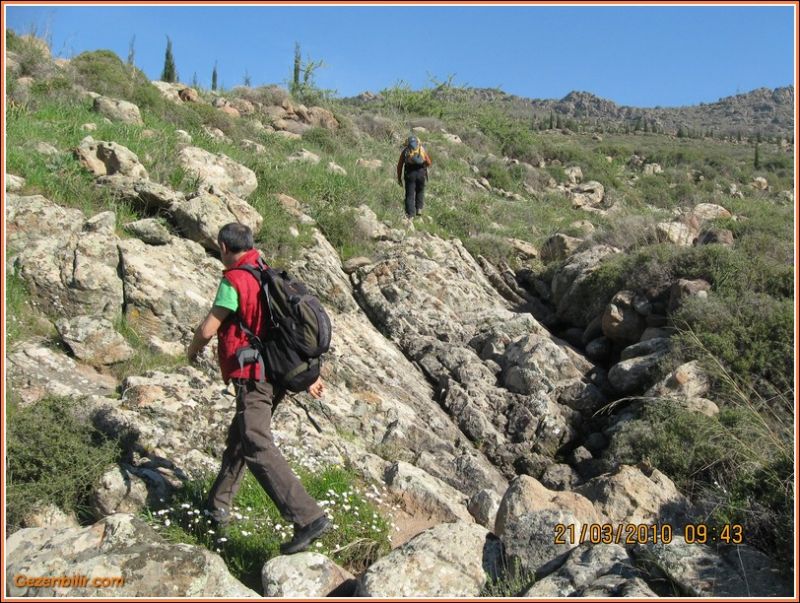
(195, 83)
(169, 74)
(214, 77)
(756, 162)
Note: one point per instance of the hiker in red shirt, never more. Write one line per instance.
(249, 441)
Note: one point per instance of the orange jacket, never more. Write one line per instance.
(402, 161)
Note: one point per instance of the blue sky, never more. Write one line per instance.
(640, 56)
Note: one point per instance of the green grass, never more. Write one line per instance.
(360, 534)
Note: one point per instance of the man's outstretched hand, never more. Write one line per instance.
(316, 389)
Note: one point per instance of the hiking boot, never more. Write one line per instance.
(306, 535)
(419, 212)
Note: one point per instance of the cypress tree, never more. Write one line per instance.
(756, 162)
(214, 77)
(297, 64)
(169, 74)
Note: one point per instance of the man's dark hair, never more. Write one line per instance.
(236, 236)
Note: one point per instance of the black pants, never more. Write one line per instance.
(250, 444)
(415, 191)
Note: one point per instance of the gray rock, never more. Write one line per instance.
(353, 264)
(144, 195)
(36, 371)
(715, 236)
(483, 506)
(169, 288)
(45, 148)
(47, 515)
(628, 495)
(584, 569)
(621, 322)
(635, 374)
(676, 233)
(117, 110)
(303, 156)
(426, 493)
(599, 349)
(588, 194)
(118, 546)
(448, 560)
(200, 217)
(34, 217)
(646, 347)
(559, 476)
(303, 575)
(150, 230)
(558, 247)
(14, 183)
(577, 302)
(334, 168)
(574, 174)
(108, 158)
(218, 171)
(94, 340)
(368, 226)
(119, 491)
(183, 137)
(370, 164)
(703, 212)
(698, 571)
(684, 288)
(75, 273)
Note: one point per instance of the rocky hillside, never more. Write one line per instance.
(764, 112)
(536, 386)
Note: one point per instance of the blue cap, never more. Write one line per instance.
(412, 142)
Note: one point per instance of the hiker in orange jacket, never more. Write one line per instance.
(415, 161)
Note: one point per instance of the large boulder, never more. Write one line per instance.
(577, 297)
(200, 218)
(629, 496)
(76, 273)
(36, 371)
(109, 158)
(539, 526)
(621, 322)
(589, 568)
(218, 170)
(120, 552)
(119, 490)
(427, 494)
(169, 288)
(144, 195)
(118, 110)
(94, 340)
(34, 217)
(449, 560)
(304, 575)
(587, 194)
(697, 570)
(558, 247)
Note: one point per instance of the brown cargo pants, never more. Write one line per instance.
(249, 443)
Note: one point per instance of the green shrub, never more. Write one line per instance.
(103, 72)
(53, 458)
(750, 334)
(737, 467)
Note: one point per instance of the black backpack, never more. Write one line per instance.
(297, 334)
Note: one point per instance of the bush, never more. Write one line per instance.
(103, 72)
(738, 468)
(53, 458)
